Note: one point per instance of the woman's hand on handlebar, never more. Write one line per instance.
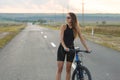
(88, 51)
(67, 49)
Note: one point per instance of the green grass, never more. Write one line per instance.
(13, 31)
(6, 39)
(105, 40)
(114, 31)
(106, 36)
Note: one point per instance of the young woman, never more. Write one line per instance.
(68, 33)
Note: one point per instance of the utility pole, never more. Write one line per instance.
(68, 7)
(83, 12)
(55, 18)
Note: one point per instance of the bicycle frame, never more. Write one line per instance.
(78, 65)
(77, 60)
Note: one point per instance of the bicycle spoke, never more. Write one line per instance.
(78, 76)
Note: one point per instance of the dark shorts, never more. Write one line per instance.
(62, 54)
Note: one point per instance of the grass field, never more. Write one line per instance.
(105, 40)
(110, 31)
(12, 30)
(106, 36)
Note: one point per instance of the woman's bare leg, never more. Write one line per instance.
(68, 70)
(59, 69)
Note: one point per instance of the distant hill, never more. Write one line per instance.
(50, 17)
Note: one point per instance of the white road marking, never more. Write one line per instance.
(73, 65)
(41, 32)
(53, 44)
(45, 36)
(35, 30)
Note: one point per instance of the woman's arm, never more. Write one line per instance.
(81, 38)
(62, 29)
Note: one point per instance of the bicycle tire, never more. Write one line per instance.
(85, 71)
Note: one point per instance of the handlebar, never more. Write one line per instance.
(78, 50)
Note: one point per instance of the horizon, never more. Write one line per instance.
(59, 13)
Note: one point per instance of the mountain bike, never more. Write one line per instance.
(80, 72)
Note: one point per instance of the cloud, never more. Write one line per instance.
(31, 6)
(59, 6)
(96, 6)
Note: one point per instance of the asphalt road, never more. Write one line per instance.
(31, 55)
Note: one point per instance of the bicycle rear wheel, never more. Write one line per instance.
(81, 73)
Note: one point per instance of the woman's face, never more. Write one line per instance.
(69, 19)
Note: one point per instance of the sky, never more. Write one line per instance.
(59, 6)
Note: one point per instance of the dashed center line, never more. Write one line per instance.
(41, 32)
(45, 36)
(53, 44)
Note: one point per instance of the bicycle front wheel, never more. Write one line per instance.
(81, 73)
